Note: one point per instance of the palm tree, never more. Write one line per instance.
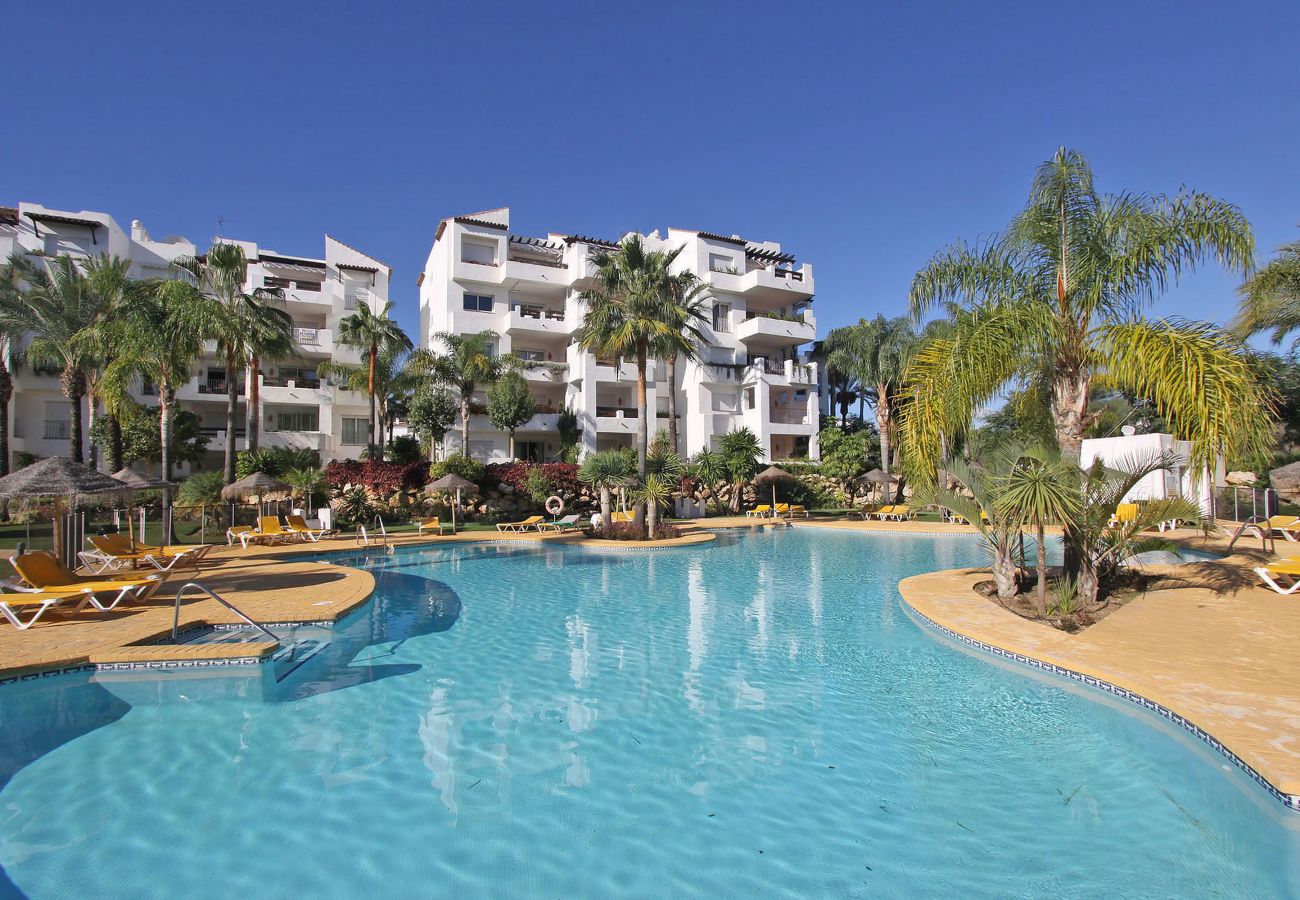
(467, 362)
(1041, 490)
(683, 312)
(1056, 301)
(109, 280)
(875, 353)
(57, 302)
(628, 316)
(11, 329)
(607, 471)
(268, 335)
(740, 452)
(1270, 299)
(393, 377)
(158, 336)
(250, 322)
(373, 334)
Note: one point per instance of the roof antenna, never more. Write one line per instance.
(221, 223)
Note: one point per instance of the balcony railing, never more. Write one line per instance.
(609, 412)
(218, 387)
(56, 431)
(307, 335)
(213, 431)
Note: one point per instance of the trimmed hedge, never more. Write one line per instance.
(562, 476)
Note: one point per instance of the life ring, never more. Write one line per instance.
(554, 505)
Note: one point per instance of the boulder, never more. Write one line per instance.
(1286, 480)
(1246, 479)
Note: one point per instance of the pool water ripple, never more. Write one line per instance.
(760, 718)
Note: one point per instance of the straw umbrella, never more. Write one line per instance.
(257, 485)
(58, 477)
(453, 482)
(879, 478)
(137, 482)
(771, 475)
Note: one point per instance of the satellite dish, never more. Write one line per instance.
(1128, 431)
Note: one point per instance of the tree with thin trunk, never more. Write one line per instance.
(57, 301)
(159, 335)
(248, 316)
(628, 317)
(607, 471)
(467, 362)
(391, 376)
(11, 329)
(1041, 490)
(683, 311)
(1057, 300)
(510, 404)
(373, 334)
(875, 353)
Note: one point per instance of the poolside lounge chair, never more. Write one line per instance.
(298, 525)
(624, 518)
(1124, 513)
(898, 513)
(761, 511)
(883, 513)
(559, 526)
(1283, 570)
(791, 511)
(433, 524)
(43, 571)
(113, 552)
(245, 534)
(40, 601)
(522, 525)
(1284, 526)
(269, 527)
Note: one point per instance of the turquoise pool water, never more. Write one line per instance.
(757, 719)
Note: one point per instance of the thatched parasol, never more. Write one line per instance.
(258, 485)
(137, 482)
(876, 476)
(453, 482)
(59, 477)
(771, 475)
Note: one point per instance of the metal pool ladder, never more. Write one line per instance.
(176, 614)
(364, 539)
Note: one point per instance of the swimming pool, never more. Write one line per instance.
(759, 718)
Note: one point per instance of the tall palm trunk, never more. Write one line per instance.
(651, 518)
(232, 408)
(606, 504)
(884, 419)
(1004, 571)
(113, 452)
(91, 416)
(464, 423)
(1069, 412)
(672, 403)
(6, 395)
(166, 401)
(253, 414)
(642, 431)
(74, 388)
(1040, 535)
(370, 389)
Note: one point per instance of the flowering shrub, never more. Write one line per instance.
(380, 477)
(563, 477)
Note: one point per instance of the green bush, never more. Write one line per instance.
(355, 507)
(201, 488)
(538, 485)
(274, 461)
(459, 464)
(404, 449)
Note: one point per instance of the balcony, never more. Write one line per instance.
(296, 440)
(769, 331)
(478, 272)
(314, 340)
(323, 297)
(772, 284)
(289, 390)
(536, 320)
(213, 391)
(546, 372)
(781, 373)
(536, 276)
(616, 421)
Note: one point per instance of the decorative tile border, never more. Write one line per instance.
(1291, 801)
(216, 663)
(46, 673)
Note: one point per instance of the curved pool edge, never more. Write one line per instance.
(919, 599)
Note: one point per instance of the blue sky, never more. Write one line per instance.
(863, 137)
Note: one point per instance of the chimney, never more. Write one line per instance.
(138, 231)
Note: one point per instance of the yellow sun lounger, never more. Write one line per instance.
(298, 525)
(40, 601)
(43, 571)
(270, 529)
(117, 551)
(622, 518)
(434, 524)
(761, 511)
(1287, 570)
(523, 525)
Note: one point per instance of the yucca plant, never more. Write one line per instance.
(1041, 489)
(607, 471)
(655, 492)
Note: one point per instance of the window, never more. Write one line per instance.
(478, 250)
(308, 285)
(478, 302)
(721, 317)
(355, 431)
(531, 451)
(749, 398)
(720, 262)
(300, 420)
(531, 355)
(56, 421)
(281, 283)
(302, 376)
(482, 449)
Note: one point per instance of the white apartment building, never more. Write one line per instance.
(298, 408)
(480, 276)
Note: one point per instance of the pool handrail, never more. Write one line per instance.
(176, 613)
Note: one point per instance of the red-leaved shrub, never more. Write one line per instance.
(562, 476)
(380, 477)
